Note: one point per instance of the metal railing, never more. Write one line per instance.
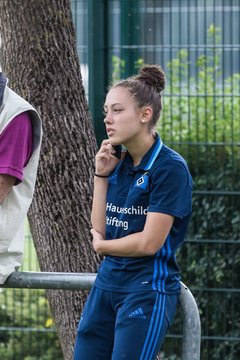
(84, 281)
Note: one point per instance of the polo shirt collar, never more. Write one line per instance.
(149, 158)
(145, 164)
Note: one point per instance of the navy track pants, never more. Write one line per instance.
(129, 326)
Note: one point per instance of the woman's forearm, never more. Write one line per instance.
(98, 215)
(131, 245)
(144, 243)
(134, 245)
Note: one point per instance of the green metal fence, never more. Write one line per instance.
(197, 44)
(26, 327)
(191, 327)
(31, 334)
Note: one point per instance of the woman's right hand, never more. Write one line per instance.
(105, 161)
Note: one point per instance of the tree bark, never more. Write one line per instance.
(40, 58)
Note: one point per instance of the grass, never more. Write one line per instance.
(30, 261)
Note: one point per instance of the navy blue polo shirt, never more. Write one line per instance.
(160, 183)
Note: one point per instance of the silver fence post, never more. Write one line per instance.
(84, 281)
(49, 280)
(191, 325)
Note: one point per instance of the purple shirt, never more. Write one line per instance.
(16, 146)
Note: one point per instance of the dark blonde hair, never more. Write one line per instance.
(146, 88)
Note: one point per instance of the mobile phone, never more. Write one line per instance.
(118, 149)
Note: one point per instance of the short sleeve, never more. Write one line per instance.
(16, 146)
(171, 190)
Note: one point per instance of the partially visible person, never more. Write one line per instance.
(140, 214)
(20, 140)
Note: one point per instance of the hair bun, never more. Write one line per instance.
(153, 75)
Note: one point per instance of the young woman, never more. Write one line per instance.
(141, 209)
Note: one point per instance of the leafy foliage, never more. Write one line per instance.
(200, 120)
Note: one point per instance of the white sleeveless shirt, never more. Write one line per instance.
(14, 208)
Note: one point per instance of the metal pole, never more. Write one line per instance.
(84, 281)
(130, 16)
(191, 325)
(49, 280)
(98, 76)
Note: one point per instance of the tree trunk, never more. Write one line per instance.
(40, 58)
